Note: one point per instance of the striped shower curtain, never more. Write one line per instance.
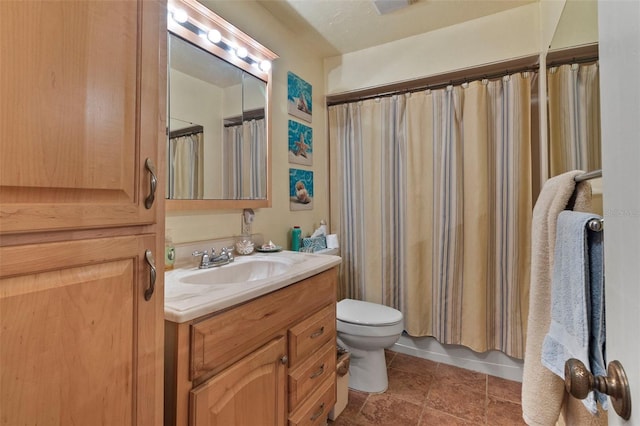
(186, 172)
(431, 198)
(244, 167)
(574, 118)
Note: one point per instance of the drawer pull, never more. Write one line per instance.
(318, 333)
(284, 359)
(318, 372)
(152, 274)
(317, 413)
(148, 202)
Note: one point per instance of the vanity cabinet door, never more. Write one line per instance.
(81, 110)
(79, 343)
(250, 392)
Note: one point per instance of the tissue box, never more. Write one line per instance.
(314, 244)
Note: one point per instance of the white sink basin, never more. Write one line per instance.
(242, 271)
(192, 292)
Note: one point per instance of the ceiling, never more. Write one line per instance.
(336, 27)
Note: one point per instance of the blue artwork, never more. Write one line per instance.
(298, 97)
(300, 189)
(300, 143)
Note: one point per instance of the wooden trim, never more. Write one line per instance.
(490, 71)
(202, 17)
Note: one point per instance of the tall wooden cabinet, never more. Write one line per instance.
(82, 113)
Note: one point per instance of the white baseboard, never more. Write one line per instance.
(494, 363)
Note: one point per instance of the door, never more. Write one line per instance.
(79, 342)
(619, 35)
(250, 392)
(81, 112)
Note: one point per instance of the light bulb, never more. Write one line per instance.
(180, 16)
(265, 66)
(214, 36)
(241, 52)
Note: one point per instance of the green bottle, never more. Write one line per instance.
(296, 235)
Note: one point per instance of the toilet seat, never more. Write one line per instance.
(358, 312)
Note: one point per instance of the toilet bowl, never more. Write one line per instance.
(365, 329)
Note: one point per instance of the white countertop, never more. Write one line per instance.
(185, 302)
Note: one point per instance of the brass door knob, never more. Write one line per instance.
(579, 381)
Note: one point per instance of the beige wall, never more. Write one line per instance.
(577, 26)
(274, 223)
(510, 34)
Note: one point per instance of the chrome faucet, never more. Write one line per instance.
(211, 260)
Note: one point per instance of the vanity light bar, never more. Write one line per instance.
(214, 36)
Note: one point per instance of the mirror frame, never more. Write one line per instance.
(203, 17)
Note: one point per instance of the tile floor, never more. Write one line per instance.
(423, 392)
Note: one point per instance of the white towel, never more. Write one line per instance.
(577, 300)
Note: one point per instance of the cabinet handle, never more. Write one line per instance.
(152, 274)
(317, 413)
(148, 202)
(317, 333)
(318, 372)
(284, 359)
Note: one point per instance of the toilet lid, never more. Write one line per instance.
(366, 313)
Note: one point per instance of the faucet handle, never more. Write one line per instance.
(204, 261)
(228, 251)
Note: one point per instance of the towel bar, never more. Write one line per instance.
(588, 175)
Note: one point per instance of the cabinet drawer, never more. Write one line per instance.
(315, 410)
(304, 379)
(309, 335)
(220, 340)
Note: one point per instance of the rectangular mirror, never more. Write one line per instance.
(218, 145)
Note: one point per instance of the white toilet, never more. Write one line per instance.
(365, 329)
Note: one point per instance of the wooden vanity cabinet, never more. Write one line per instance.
(78, 343)
(82, 107)
(269, 361)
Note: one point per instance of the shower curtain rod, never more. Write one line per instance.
(187, 131)
(588, 175)
(577, 55)
(490, 71)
